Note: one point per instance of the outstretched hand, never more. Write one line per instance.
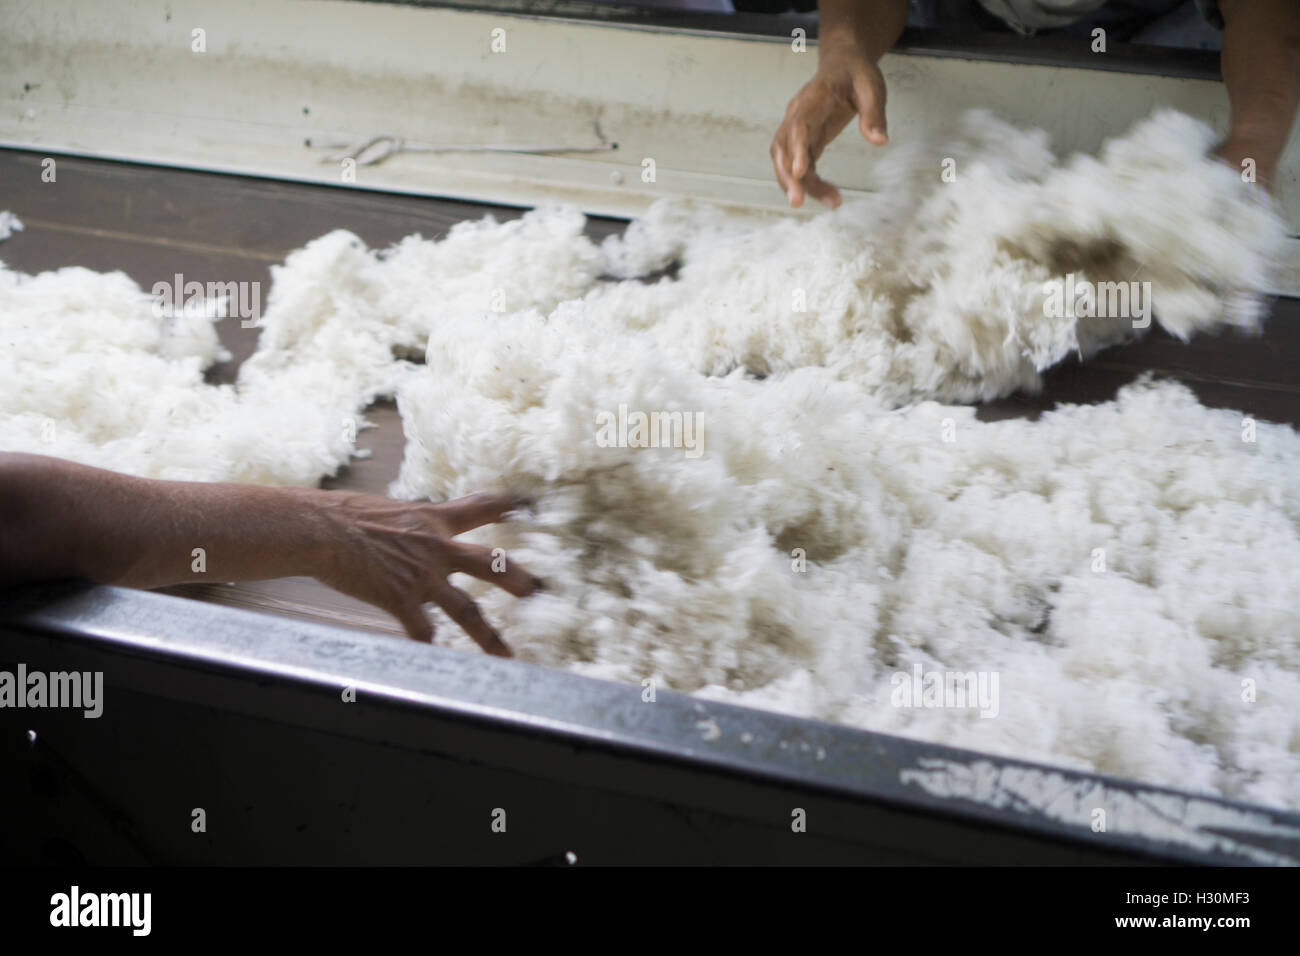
(398, 555)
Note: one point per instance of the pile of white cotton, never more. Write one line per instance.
(745, 486)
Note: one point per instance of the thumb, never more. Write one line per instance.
(869, 97)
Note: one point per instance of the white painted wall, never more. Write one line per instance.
(117, 78)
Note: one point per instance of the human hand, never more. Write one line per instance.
(397, 555)
(1244, 152)
(847, 84)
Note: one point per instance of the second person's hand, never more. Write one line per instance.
(846, 86)
(853, 36)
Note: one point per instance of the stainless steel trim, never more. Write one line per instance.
(1158, 823)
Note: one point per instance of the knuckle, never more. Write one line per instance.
(462, 607)
(481, 500)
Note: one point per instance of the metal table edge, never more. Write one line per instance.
(1163, 824)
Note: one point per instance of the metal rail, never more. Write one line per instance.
(879, 798)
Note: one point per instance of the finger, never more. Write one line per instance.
(779, 163)
(820, 189)
(417, 624)
(487, 565)
(870, 100)
(460, 607)
(466, 514)
(793, 190)
(801, 160)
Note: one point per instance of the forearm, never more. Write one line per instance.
(61, 520)
(1261, 69)
(862, 27)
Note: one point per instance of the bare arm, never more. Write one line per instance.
(871, 26)
(853, 36)
(63, 520)
(1261, 69)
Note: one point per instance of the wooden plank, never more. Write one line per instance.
(1258, 375)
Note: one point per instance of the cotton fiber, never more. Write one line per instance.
(9, 224)
(749, 481)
